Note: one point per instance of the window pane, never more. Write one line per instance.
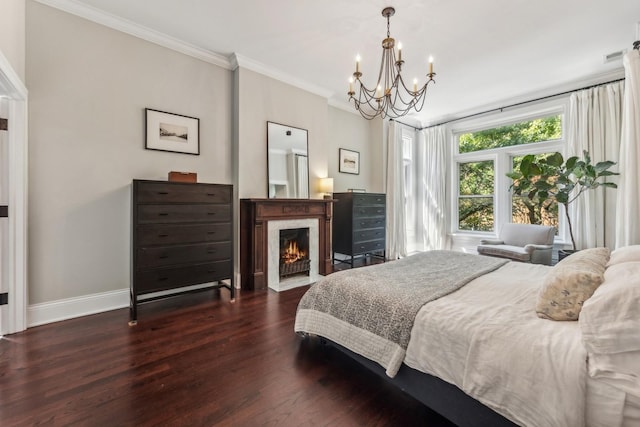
(544, 129)
(476, 178)
(525, 211)
(475, 213)
(475, 201)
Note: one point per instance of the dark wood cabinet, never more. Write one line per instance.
(181, 236)
(359, 221)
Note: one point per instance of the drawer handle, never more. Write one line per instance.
(211, 194)
(163, 193)
(164, 256)
(211, 213)
(211, 232)
(212, 251)
(163, 214)
(162, 235)
(211, 271)
(161, 279)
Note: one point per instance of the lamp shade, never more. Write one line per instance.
(326, 185)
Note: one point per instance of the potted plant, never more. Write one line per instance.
(549, 179)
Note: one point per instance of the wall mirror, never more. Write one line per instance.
(288, 162)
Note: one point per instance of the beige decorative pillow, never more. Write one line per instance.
(570, 283)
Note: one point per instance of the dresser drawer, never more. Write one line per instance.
(367, 235)
(364, 223)
(163, 192)
(167, 234)
(148, 214)
(161, 279)
(368, 211)
(157, 256)
(369, 200)
(366, 247)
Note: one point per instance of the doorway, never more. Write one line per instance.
(13, 195)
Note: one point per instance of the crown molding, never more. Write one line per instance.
(10, 83)
(123, 25)
(237, 60)
(230, 63)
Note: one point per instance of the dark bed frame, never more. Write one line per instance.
(438, 395)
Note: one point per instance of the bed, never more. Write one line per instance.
(474, 338)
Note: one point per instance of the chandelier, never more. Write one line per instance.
(390, 97)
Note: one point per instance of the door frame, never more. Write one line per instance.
(14, 315)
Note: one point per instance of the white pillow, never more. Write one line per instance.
(610, 319)
(626, 254)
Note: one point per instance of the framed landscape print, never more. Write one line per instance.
(171, 132)
(349, 161)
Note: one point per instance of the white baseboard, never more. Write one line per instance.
(55, 311)
(70, 308)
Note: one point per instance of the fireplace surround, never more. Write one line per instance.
(258, 220)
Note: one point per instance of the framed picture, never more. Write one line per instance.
(349, 161)
(171, 132)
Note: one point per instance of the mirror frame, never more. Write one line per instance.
(286, 128)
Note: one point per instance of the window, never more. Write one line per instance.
(483, 200)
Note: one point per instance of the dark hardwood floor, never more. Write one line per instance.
(193, 360)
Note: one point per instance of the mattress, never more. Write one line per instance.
(487, 340)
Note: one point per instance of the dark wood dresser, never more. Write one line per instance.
(359, 224)
(182, 234)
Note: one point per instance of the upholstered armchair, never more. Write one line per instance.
(521, 242)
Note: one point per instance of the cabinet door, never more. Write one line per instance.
(157, 256)
(160, 279)
(148, 214)
(170, 234)
(166, 192)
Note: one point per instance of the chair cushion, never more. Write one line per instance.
(505, 251)
(524, 234)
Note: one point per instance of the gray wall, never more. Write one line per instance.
(12, 34)
(88, 87)
(350, 131)
(262, 99)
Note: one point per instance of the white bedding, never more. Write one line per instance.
(494, 347)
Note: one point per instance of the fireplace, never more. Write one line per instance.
(261, 221)
(294, 252)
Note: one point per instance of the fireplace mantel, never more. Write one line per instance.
(254, 216)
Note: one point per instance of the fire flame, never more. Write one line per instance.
(292, 253)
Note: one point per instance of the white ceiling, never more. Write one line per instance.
(486, 52)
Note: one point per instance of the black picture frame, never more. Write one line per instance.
(349, 161)
(171, 132)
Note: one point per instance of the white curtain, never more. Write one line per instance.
(396, 229)
(628, 206)
(595, 121)
(430, 172)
